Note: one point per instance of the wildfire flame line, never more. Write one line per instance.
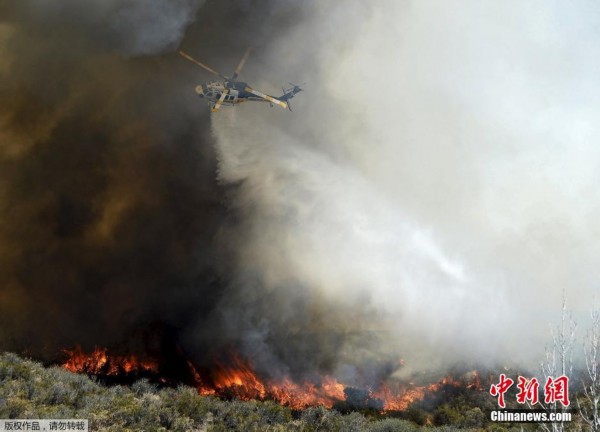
(238, 380)
(100, 363)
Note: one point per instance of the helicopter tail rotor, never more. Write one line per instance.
(295, 88)
(290, 93)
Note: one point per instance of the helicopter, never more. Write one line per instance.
(230, 91)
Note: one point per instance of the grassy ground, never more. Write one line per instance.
(29, 390)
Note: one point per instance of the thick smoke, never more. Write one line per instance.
(429, 197)
(115, 230)
(436, 179)
(109, 205)
(132, 27)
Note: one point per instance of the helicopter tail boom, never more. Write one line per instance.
(290, 93)
(277, 101)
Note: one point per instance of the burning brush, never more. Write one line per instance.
(100, 363)
(236, 379)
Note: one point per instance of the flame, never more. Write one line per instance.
(100, 363)
(237, 379)
(398, 397)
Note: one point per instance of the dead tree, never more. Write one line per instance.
(591, 383)
(559, 361)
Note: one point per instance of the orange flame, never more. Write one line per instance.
(238, 380)
(400, 398)
(100, 363)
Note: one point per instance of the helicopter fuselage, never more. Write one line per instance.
(212, 91)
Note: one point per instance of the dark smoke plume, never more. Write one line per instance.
(432, 184)
(109, 200)
(113, 228)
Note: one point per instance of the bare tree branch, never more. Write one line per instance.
(591, 384)
(559, 361)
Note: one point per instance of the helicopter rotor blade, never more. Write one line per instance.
(202, 65)
(239, 67)
(220, 101)
(266, 97)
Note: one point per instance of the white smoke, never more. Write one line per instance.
(441, 168)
